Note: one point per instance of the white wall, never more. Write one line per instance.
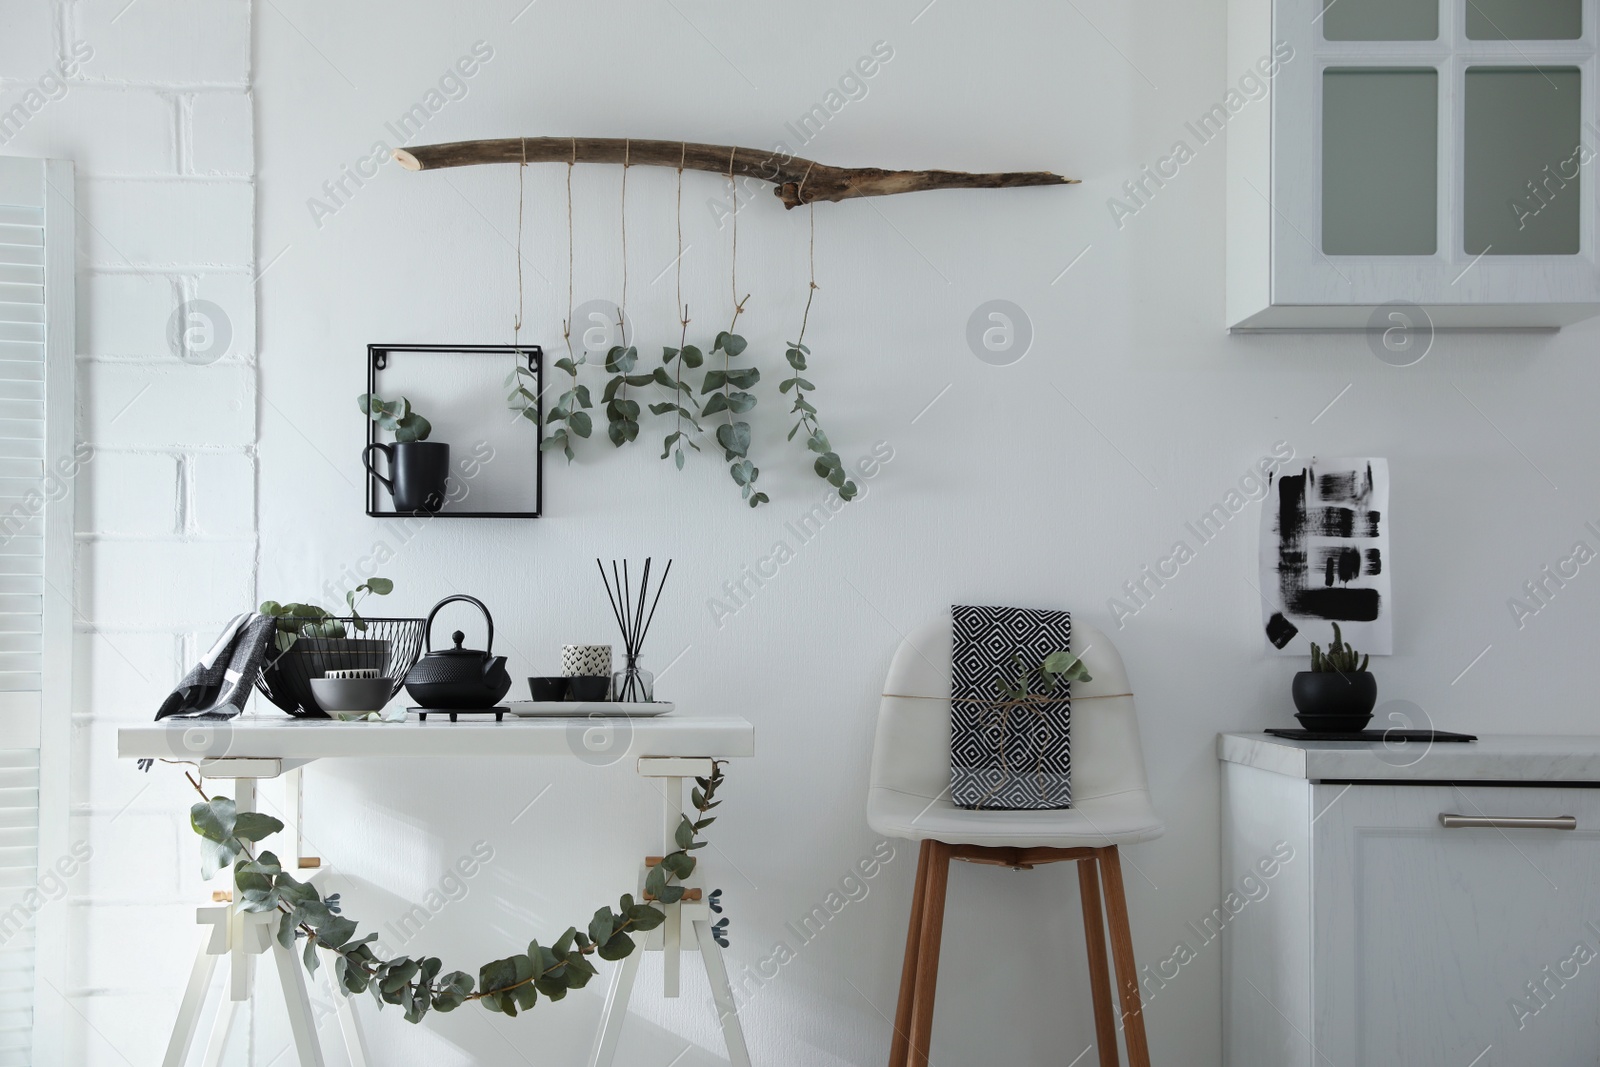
(1002, 491)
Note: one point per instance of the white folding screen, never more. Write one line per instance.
(38, 463)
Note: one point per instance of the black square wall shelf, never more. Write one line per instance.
(496, 466)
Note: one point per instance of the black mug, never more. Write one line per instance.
(418, 471)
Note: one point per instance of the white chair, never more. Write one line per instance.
(910, 798)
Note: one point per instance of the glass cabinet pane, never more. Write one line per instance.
(1524, 20)
(1380, 138)
(1380, 20)
(1521, 163)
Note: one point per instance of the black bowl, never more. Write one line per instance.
(1334, 702)
(589, 688)
(548, 688)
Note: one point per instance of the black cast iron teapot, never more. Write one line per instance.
(459, 679)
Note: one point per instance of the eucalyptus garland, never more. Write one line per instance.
(507, 985)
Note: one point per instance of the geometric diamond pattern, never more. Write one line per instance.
(1003, 756)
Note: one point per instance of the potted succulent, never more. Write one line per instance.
(1337, 694)
(418, 467)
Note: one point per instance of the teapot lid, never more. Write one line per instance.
(459, 637)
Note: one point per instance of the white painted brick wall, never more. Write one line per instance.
(160, 124)
(165, 42)
(235, 294)
(214, 145)
(166, 404)
(104, 130)
(125, 314)
(165, 585)
(130, 494)
(160, 223)
(221, 500)
(28, 42)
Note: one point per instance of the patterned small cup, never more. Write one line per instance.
(586, 661)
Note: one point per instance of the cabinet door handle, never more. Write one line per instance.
(1509, 822)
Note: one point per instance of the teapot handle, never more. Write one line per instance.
(428, 630)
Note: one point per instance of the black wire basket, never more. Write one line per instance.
(388, 646)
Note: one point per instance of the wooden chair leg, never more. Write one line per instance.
(1122, 955)
(900, 1044)
(1094, 936)
(928, 952)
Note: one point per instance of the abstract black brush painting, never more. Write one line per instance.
(1325, 556)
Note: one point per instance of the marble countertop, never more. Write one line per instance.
(1494, 757)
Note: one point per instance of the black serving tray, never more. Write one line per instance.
(1369, 735)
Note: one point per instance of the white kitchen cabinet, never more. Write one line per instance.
(1387, 938)
(1437, 153)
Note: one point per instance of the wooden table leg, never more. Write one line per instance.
(900, 1044)
(928, 952)
(1094, 936)
(1122, 955)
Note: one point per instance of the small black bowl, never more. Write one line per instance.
(548, 688)
(589, 688)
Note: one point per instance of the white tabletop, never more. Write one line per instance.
(1494, 757)
(282, 737)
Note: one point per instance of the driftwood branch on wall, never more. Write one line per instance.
(797, 181)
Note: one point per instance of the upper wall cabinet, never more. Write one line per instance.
(1436, 152)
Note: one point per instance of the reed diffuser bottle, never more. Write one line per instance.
(632, 684)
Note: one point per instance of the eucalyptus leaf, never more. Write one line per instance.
(734, 437)
(335, 931)
(214, 819)
(255, 825)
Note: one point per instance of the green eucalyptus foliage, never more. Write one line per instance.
(313, 620)
(509, 985)
(729, 394)
(622, 414)
(395, 416)
(570, 416)
(1055, 667)
(683, 404)
(1340, 657)
(828, 466)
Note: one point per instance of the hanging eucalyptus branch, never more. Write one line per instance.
(571, 411)
(828, 465)
(505, 985)
(683, 404)
(622, 414)
(734, 434)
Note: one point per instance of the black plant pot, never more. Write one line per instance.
(1335, 702)
(418, 471)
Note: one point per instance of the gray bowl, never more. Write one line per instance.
(351, 695)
